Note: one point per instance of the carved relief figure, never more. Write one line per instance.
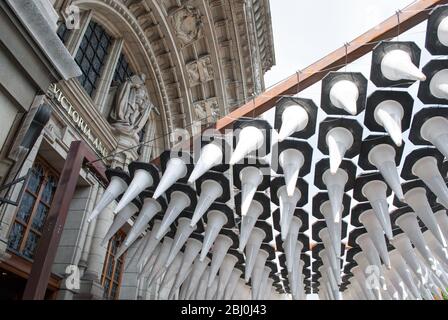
(200, 70)
(187, 23)
(207, 111)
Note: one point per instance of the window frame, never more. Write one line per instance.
(111, 256)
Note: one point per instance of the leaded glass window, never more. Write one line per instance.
(122, 72)
(63, 32)
(33, 209)
(92, 54)
(113, 268)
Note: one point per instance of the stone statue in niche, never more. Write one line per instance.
(131, 107)
(187, 24)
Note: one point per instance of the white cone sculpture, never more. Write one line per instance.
(335, 185)
(178, 202)
(291, 161)
(402, 243)
(119, 220)
(339, 140)
(175, 169)
(404, 271)
(251, 177)
(435, 247)
(327, 240)
(151, 243)
(202, 287)
(263, 282)
(389, 114)
(183, 232)
(290, 242)
(364, 264)
(426, 169)
(442, 220)
(344, 94)
(220, 248)
(142, 180)
(250, 139)
(287, 207)
(233, 281)
(362, 282)
(196, 274)
(225, 272)
(171, 272)
(159, 264)
(435, 130)
(369, 249)
(382, 156)
(211, 290)
(215, 221)
(375, 231)
(211, 156)
(442, 31)
(257, 275)
(417, 200)
(146, 269)
(115, 188)
(376, 192)
(335, 268)
(397, 65)
(252, 249)
(210, 191)
(334, 227)
(438, 86)
(294, 119)
(248, 222)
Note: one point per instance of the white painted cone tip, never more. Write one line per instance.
(215, 221)
(141, 181)
(247, 224)
(335, 185)
(442, 220)
(291, 242)
(116, 187)
(119, 220)
(220, 249)
(179, 201)
(291, 161)
(294, 118)
(329, 244)
(184, 230)
(440, 252)
(225, 272)
(210, 191)
(250, 139)
(333, 226)
(375, 231)
(175, 169)
(338, 140)
(211, 156)
(252, 249)
(161, 258)
(198, 270)
(287, 207)
(231, 285)
(389, 114)
(149, 209)
(251, 178)
(192, 249)
(397, 65)
(344, 94)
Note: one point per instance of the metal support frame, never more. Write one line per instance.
(8, 186)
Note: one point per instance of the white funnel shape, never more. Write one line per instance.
(294, 119)
(211, 290)
(151, 243)
(327, 240)
(442, 220)
(161, 259)
(175, 169)
(220, 248)
(382, 156)
(251, 178)
(335, 267)
(225, 272)
(179, 201)
(250, 139)
(248, 222)
(196, 274)
(257, 275)
(389, 114)
(211, 156)
(438, 86)
(215, 221)
(231, 285)
(397, 65)
(344, 94)
(362, 282)
(367, 246)
(252, 249)
(339, 140)
(145, 269)
(192, 249)
(139, 252)
(183, 232)
(116, 187)
(365, 265)
(442, 32)
(335, 185)
(202, 287)
(119, 221)
(291, 161)
(210, 191)
(263, 282)
(402, 243)
(334, 228)
(287, 207)
(171, 272)
(376, 192)
(427, 170)
(375, 231)
(416, 199)
(142, 180)
(435, 130)
(403, 270)
(149, 209)
(436, 248)
(291, 241)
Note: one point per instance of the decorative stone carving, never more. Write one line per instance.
(207, 111)
(187, 23)
(200, 71)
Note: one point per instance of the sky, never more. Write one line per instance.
(305, 31)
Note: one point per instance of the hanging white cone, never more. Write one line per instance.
(335, 185)
(376, 192)
(416, 199)
(233, 281)
(344, 94)
(211, 156)
(435, 247)
(334, 227)
(171, 272)
(220, 248)
(291, 161)
(367, 246)
(251, 178)
(375, 231)
(442, 32)
(382, 156)
(389, 114)
(211, 290)
(139, 252)
(362, 282)
(435, 130)
(161, 259)
(263, 282)
(339, 140)
(119, 220)
(252, 249)
(397, 65)
(210, 191)
(438, 85)
(142, 180)
(287, 207)
(427, 170)
(116, 187)
(327, 240)
(403, 270)
(257, 275)
(294, 119)
(215, 221)
(202, 287)
(225, 272)
(183, 232)
(442, 220)
(365, 264)
(291, 241)
(250, 139)
(146, 269)
(151, 243)
(248, 222)
(196, 274)
(335, 267)
(402, 243)
(178, 202)
(175, 169)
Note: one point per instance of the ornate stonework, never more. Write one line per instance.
(200, 71)
(207, 111)
(187, 24)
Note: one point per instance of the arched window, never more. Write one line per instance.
(113, 268)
